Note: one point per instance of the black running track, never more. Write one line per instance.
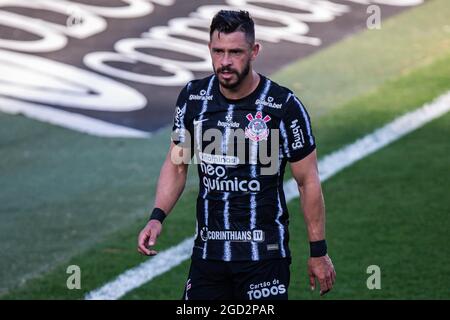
(157, 109)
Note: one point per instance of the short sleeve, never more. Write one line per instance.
(296, 133)
(180, 128)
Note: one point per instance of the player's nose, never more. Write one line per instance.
(226, 60)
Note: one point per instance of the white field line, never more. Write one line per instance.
(328, 166)
(70, 120)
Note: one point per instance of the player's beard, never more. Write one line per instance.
(239, 76)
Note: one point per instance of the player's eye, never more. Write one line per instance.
(235, 52)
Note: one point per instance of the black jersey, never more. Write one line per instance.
(241, 207)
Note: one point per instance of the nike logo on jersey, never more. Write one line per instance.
(199, 121)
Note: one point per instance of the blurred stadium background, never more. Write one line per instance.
(87, 92)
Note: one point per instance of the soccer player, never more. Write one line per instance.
(241, 249)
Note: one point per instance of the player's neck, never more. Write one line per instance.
(247, 86)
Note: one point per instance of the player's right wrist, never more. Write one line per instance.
(158, 214)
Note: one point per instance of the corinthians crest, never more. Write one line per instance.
(257, 129)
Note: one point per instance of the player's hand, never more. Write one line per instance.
(321, 268)
(147, 237)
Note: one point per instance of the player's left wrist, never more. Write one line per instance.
(318, 248)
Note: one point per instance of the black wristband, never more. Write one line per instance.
(318, 248)
(158, 214)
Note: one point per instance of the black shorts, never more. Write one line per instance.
(240, 280)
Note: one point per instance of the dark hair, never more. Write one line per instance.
(228, 21)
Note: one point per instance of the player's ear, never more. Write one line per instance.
(255, 50)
